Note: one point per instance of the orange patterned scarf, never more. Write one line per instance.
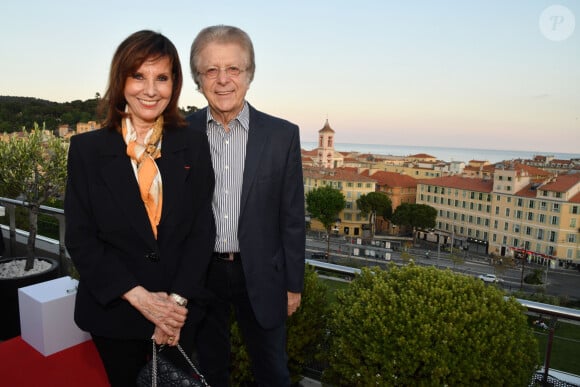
(148, 175)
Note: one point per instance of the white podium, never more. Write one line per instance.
(46, 315)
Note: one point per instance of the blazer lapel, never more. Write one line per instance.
(118, 174)
(174, 168)
(257, 138)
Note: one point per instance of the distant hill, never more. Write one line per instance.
(19, 112)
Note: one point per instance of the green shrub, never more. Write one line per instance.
(534, 278)
(306, 334)
(420, 326)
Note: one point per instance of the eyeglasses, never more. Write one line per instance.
(231, 71)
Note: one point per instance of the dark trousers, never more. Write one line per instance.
(123, 358)
(266, 347)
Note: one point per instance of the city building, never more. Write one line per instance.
(352, 185)
(517, 212)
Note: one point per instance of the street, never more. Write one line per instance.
(557, 282)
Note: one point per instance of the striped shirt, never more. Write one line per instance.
(228, 154)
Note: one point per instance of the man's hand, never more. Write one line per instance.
(293, 302)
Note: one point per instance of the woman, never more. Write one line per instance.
(138, 211)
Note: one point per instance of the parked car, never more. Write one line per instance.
(318, 256)
(489, 278)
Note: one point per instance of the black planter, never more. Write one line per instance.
(10, 320)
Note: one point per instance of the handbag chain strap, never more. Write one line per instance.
(154, 366)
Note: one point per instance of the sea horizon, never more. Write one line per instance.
(447, 154)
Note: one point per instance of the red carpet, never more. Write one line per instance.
(23, 366)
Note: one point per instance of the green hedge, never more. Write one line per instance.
(419, 326)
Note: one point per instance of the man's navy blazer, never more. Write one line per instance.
(271, 227)
(110, 239)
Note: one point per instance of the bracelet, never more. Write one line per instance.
(178, 299)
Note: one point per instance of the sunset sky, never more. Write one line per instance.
(476, 74)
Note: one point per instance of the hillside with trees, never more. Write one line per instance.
(22, 112)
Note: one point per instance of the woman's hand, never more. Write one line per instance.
(161, 310)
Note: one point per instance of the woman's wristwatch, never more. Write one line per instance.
(181, 301)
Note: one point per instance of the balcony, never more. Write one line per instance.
(16, 240)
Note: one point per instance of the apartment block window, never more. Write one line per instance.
(507, 212)
(485, 235)
(440, 213)
(544, 193)
(472, 195)
(558, 195)
(554, 220)
(494, 238)
(470, 218)
(455, 216)
(572, 238)
(531, 204)
(516, 228)
(488, 208)
(477, 234)
(569, 253)
(448, 214)
(520, 202)
(555, 207)
(422, 197)
(456, 203)
(347, 216)
(552, 236)
(543, 206)
(349, 184)
(498, 198)
(495, 224)
(575, 210)
(463, 217)
(541, 218)
(509, 178)
(486, 222)
(478, 220)
(479, 207)
(518, 214)
(449, 202)
(436, 190)
(461, 230)
(348, 205)
(497, 210)
(530, 216)
(528, 230)
(540, 234)
(359, 185)
(573, 222)
(471, 206)
(443, 190)
(508, 188)
(504, 240)
(516, 242)
(506, 226)
(464, 204)
(480, 196)
(509, 199)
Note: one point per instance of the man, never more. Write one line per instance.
(258, 204)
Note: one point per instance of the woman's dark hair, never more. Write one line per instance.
(130, 55)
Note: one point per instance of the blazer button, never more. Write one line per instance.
(153, 256)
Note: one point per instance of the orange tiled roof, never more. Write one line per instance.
(393, 179)
(460, 182)
(562, 183)
(336, 174)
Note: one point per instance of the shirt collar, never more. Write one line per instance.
(243, 117)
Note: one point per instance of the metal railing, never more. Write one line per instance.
(42, 243)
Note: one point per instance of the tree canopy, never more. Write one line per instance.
(374, 203)
(325, 203)
(415, 216)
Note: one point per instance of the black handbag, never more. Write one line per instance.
(163, 373)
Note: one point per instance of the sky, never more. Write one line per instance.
(491, 74)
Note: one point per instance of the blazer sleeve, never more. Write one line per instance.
(292, 216)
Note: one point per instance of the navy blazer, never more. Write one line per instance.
(271, 227)
(110, 239)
